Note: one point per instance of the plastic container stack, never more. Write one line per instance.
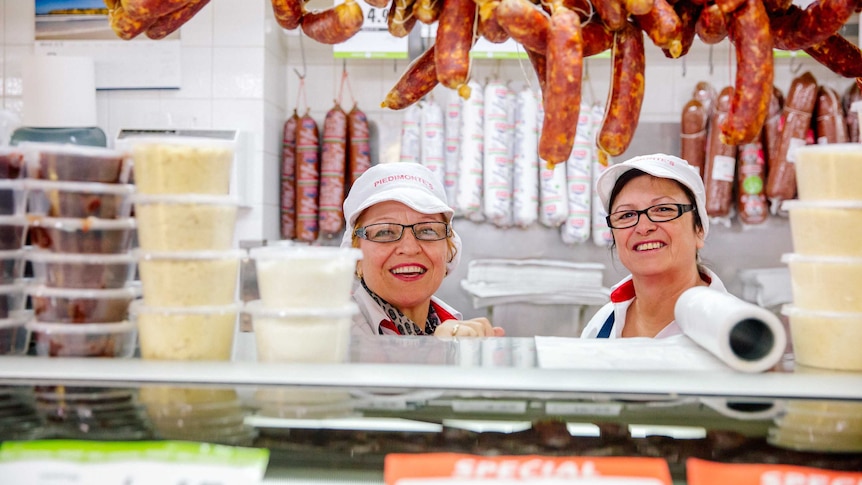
(826, 265)
(14, 337)
(187, 261)
(211, 415)
(303, 316)
(82, 232)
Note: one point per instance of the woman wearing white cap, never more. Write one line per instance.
(397, 214)
(657, 215)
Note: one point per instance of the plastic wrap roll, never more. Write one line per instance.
(744, 336)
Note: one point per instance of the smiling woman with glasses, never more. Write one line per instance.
(656, 206)
(397, 214)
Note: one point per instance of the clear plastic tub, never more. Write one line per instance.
(89, 235)
(71, 305)
(829, 171)
(83, 340)
(308, 335)
(11, 266)
(828, 340)
(13, 232)
(193, 278)
(188, 333)
(79, 199)
(95, 271)
(12, 164)
(11, 299)
(825, 227)
(825, 283)
(291, 276)
(186, 396)
(14, 334)
(13, 197)
(185, 222)
(55, 161)
(181, 165)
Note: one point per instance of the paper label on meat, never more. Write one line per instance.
(723, 168)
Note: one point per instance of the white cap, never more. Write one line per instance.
(661, 166)
(409, 183)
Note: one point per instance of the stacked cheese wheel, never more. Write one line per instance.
(189, 268)
(826, 265)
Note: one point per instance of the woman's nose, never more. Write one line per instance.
(645, 224)
(408, 241)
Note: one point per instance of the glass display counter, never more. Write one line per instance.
(415, 395)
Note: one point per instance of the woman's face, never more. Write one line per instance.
(407, 272)
(651, 248)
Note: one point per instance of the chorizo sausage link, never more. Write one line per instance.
(597, 38)
(749, 32)
(625, 97)
(489, 26)
(418, 79)
(526, 23)
(151, 9)
(427, 11)
(663, 26)
(711, 25)
(400, 19)
(838, 54)
(169, 23)
(720, 165)
(288, 13)
(798, 107)
(562, 95)
(830, 124)
(307, 178)
(693, 134)
(333, 25)
(288, 178)
(455, 38)
(333, 166)
(797, 28)
(359, 145)
(688, 13)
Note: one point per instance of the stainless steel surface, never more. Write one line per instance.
(462, 365)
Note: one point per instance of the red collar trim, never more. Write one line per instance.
(626, 291)
(442, 314)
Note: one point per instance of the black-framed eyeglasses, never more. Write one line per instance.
(391, 232)
(656, 213)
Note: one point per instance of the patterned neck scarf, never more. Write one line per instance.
(404, 325)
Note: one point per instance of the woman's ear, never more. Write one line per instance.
(701, 240)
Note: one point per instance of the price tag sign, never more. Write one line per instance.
(455, 468)
(703, 472)
(373, 41)
(53, 462)
(489, 50)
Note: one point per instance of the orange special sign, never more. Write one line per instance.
(702, 472)
(457, 467)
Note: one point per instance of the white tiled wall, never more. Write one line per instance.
(232, 78)
(240, 72)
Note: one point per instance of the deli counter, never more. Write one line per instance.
(335, 423)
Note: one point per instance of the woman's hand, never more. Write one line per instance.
(476, 327)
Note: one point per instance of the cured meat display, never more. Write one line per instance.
(318, 169)
(557, 37)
